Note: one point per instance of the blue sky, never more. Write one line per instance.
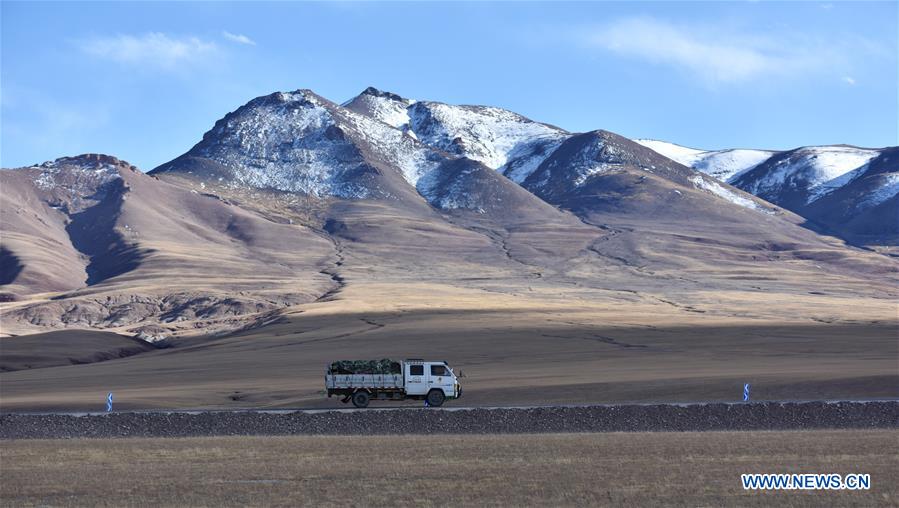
(144, 81)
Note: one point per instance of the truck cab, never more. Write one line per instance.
(433, 381)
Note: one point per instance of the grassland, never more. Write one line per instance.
(625, 469)
(549, 348)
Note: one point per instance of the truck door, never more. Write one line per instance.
(416, 379)
(439, 376)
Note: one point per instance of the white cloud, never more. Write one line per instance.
(712, 55)
(154, 49)
(239, 38)
(849, 80)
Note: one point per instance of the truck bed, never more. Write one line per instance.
(373, 381)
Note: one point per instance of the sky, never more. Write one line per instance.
(144, 80)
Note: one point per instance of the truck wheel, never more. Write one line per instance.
(360, 399)
(436, 398)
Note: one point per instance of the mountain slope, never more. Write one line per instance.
(519, 147)
(136, 250)
(667, 217)
(534, 155)
(601, 170)
(865, 208)
(810, 181)
(386, 198)
(39, 255)
(603, 178)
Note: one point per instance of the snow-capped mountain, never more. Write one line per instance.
(291, 189)
(722, 164)
(865, 206)
(584, 156)
(382, 146)
(300, 142)
(792, 178)
(502, 140)
(605, 171)
(798, 177)
(803, 179)
(538, 156)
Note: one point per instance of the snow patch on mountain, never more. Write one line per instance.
(817, 168)
(285, 141)
(492, 136)
(384, 106)
(677, 153)
(408, 155)
(73, 184)
(715, 188)
(581, 157)
(299, 142)
(887, 188)
(585, 172)
(75, 175)
(725, 165)
(500, 139)
(454, 196)
(528, 158)
(832, 185)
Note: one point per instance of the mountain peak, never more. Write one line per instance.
(85, 171)
(374, 92)
(300, 142)
(300, 96)
(74, 183)
(386, 107)
(96, 160)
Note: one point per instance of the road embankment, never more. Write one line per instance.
(606, 418)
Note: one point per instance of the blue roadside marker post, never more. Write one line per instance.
(109, 402)
(746, 392)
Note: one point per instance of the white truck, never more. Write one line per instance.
(360, 381)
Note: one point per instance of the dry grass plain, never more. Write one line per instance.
(544, 346)
(621, 469)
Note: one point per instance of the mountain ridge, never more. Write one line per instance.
(294, 200)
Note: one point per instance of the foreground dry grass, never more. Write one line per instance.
(698, 469)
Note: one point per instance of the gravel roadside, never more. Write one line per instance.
(615, 418)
